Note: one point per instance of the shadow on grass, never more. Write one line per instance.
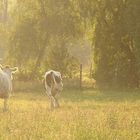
(100, 96)
(37, 92)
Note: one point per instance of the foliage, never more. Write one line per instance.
(35, 32)
(115, 41)
(41, 32)
(58, 54)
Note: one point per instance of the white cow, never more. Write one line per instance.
(53, 86)
(6, 83)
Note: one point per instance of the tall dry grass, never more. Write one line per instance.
(84, 115)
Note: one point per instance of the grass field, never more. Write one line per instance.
(84, 115)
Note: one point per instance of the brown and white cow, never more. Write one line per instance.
(53, 86)
(6, 83)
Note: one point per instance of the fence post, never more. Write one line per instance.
(80, 76)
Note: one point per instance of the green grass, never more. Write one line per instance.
(84, 115)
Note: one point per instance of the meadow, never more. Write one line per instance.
(87, 114)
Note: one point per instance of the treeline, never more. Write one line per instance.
(39, 33)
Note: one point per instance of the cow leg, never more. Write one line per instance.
(54, 102)
(56, 99)
(51, 105)
(5, 105)
(57, 103)
(54, 94)
(48, 92)
(52, 99)
(51, 94)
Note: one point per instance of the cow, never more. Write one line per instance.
(53, 86)
(6, 83)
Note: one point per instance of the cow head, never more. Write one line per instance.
(9, 71)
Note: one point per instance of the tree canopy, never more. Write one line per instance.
(38, 35)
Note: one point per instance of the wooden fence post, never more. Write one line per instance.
(80, 76)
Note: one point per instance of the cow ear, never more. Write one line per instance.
(14, 70)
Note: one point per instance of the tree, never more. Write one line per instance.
(115, 42)
(60, 59)
(35, 25)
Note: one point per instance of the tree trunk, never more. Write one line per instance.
(134, 80)
(44, 42)
(38, 61)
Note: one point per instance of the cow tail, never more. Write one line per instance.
(53, 78)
